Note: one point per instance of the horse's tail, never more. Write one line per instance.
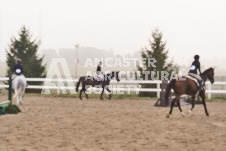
(168, 90)
(21, 87)
(78, 83)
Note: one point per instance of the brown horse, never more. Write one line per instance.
(189, 87)
(88, 81)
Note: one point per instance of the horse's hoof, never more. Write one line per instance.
(189, 111)
(167, 116)
(182, 113)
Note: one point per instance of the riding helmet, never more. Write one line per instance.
(196, 57)
(18, 60)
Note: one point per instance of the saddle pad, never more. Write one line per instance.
(194, 79)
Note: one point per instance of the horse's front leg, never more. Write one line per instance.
(80, 94)
(109, 94)
(86, 93)
(101, 96)
(202, 94)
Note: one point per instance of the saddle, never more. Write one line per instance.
(194, 79)
(99, 77)
(199, 83)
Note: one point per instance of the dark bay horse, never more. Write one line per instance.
(88, 81)
(189, 87)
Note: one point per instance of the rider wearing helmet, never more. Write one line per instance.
(193, 71)
(17, 69)
(99, 73)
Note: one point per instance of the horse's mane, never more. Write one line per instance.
(206, 71)
(109, 74)
(112, 73)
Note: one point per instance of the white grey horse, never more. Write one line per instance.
(19, 86)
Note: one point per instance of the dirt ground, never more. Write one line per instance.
(68, 124)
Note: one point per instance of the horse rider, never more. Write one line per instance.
(17, 69)
(193, 71)
(99, 74)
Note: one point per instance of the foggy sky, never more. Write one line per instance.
(189, 27)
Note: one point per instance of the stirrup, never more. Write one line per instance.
(201, 85)
(201, 88)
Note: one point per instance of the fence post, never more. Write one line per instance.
(158, 92)
(209, 93)
(10, 89)
(58, 87)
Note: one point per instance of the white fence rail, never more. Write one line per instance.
(57, 87)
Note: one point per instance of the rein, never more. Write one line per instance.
(204, 75)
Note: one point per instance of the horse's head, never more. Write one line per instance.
(116, 75)
(209, 74)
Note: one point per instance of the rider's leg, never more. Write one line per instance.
(200, 86)
(14, 76)
(100, 76)
(200, 81)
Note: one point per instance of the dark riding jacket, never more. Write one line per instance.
(194, 67)
(98, 69)
(18, 69)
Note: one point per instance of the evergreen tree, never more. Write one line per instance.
(26, 49)
(158, 52)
